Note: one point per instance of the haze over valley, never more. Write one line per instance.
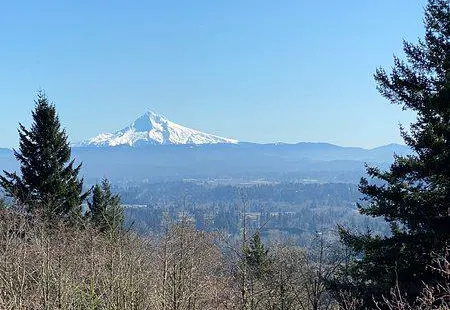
(153, 148)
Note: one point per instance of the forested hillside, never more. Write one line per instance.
(280, 211)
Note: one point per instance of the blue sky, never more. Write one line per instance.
(262, 71)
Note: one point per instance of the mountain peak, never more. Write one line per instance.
(152, 128)
(153, 115)
(147, 121)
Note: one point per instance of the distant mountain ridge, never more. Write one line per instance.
(286, 162)
(154, 129)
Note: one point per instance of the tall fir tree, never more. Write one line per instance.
(105, 209)
(48, 181)
(413, 195)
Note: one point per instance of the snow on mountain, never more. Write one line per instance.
(152, 128)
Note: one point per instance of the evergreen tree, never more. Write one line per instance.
(105, 209)
(254, 271)
(413, 195)
(256, 256)
(48, 180)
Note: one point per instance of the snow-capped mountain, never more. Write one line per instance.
(151, 128)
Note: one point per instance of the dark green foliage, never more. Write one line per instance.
(3, 204)
(256, 257)
(105, 209)
(413, 195)
(48, 181)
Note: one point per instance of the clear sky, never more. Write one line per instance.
(261, 71)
